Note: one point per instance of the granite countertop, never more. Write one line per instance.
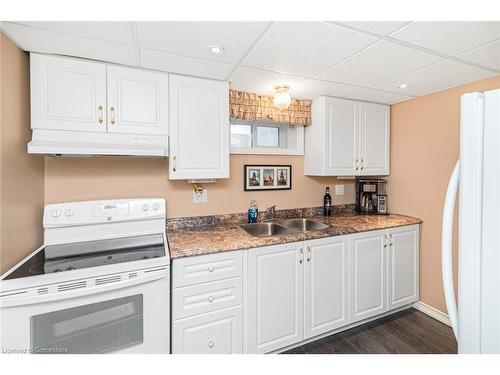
(227, 236)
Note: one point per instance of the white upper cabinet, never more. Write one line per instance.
(374, 143)
(326, 285)
(199, 128)
(341, 136)
(347, 138)
(82, 107)
(67, 94)
(137, 101)
(275, 308)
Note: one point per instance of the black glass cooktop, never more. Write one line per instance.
(68, 257)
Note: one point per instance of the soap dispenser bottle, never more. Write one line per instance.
(253, 212)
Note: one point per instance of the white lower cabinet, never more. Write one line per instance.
(218, 332)
(275, 310)
(326, 285)
(207, 309)
(403, 265)
(265, 299)
(368, 281)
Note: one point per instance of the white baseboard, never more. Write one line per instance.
(432, 312)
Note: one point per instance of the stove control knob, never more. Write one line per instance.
(145, 207)
(155, 206)
(56, 213)
(69, 212)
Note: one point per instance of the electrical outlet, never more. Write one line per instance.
(339, 189)
(201, 197)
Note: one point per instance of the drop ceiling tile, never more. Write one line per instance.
(113, 31)
(169, 62)
(261, 81)
(377, 96)
(41, 24)
(46, 41)
(450, 38)
(314, 88)
(194, 38)
(377, 27)
(440, 76)
(379, 63)
(305, 48)
(487, 55)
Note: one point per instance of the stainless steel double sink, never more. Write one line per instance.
(283, 227)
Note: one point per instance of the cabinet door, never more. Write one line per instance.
(367, 258)
(374, 153)
(137, 101)
(199, 128)
(67, 94)
(275, 302)
(342, 129)
(326, 285)
(403, 265)
(220, 332)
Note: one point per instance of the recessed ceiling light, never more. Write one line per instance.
(403, 86)
(216, 49)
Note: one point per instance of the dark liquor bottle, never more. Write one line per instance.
(327, 203)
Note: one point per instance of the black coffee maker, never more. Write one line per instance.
(371, 196)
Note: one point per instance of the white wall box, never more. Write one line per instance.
(81, 107)
(199, 128)
(347, 138)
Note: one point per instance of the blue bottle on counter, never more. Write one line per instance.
(253, 212)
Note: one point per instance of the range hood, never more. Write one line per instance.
(64, 143)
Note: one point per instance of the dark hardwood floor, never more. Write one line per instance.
(405, 332)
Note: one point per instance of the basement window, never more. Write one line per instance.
(250, 137)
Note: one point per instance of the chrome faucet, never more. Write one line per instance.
(270, 213)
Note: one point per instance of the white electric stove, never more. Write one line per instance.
(99, 284)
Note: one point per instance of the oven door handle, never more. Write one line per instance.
(19, 298)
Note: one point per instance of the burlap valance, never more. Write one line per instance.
(254, 107)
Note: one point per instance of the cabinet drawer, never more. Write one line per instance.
(220, 332)
(202, 298)
(204, 268)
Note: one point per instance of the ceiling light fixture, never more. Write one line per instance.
(282, 97)
(216, 49)
(403, 86)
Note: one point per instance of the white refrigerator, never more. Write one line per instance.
(475, 317)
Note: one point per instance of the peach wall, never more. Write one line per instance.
(68, 179)
(21, 175)
(425, 134)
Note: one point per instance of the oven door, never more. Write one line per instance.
(130, 316)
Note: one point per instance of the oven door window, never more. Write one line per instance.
(101, 327)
